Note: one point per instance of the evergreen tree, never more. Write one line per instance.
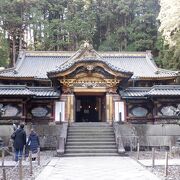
(169, 51)
(4, 51)
(14, 20)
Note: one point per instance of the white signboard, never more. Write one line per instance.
(60, 111)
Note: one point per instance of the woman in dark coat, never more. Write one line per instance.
(33, 142)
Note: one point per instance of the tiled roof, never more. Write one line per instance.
(165, 90)
(14, 90)
(141, 66)
(21, 90)
(36, 65)
(157, 90)
(44, 92)
(135, 92)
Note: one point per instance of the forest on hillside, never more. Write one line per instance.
(110, 25)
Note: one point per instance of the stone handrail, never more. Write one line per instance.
(118, 138)
(62, 139)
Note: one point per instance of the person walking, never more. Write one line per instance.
(33, 143)
(19, 137)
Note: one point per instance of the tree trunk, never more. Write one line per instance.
(14, 50)
(20, 41)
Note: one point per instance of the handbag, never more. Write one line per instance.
(13, 135)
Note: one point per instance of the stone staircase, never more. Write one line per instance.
(90, 139)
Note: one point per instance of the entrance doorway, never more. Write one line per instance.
(89, 108)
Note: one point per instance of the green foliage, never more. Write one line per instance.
(110, 25)
(169, 56)
(4, 51)
(63, 25)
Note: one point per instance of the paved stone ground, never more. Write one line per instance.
(95, 168)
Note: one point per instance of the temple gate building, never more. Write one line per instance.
(88, 86)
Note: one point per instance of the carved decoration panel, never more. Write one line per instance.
(169, 110)
(11, 110)
(40, 111)
(89, 75)
(142, 110)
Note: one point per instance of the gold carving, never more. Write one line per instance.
(90, 67)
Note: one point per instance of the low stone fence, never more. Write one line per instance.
(48, 134)
(148, 135)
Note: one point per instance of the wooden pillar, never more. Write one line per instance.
(109, 108)
(70, 108)
(155, 110)
(99, 109)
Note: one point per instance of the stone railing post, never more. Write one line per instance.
(62, 139)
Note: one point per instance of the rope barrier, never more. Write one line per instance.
(12, 170)
(7, 150)
(18, 164)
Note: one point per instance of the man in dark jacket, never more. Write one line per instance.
(19, 137)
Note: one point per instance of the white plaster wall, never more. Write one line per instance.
(119, 108)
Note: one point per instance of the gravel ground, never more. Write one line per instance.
(12, 173)
(173, 171)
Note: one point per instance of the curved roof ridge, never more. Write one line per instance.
(62, 69)
(122, 53)
(168, 71)
(174, 86)
(150, 61)
(20, 59)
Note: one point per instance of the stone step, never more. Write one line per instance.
(89, 154)
(92, 147)
(90, 136)
(90, 124)
(90, 130)
(91, 150)
(90, 143)
(89, 140)
(92, 139)
(89, 127)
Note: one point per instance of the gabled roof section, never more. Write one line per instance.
(22, 90)
(157, 90)
(86, 53)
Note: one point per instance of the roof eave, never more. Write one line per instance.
(134, 97)
(155, 78)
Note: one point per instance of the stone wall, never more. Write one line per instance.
(149, 135)
(48, 134)
(5, 133)
(146, 134)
